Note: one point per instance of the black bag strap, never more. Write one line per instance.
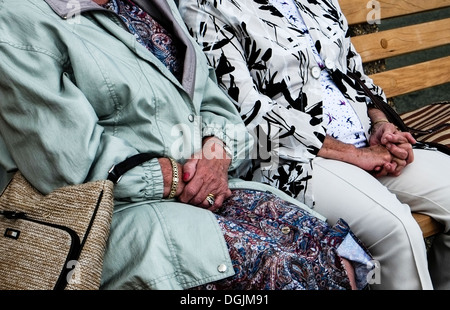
(390, 113)
(117, 171)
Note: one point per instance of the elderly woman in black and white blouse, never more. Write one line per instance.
(320, 138)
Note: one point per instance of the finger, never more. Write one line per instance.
(218, 195)
(404, 137)
(200, 195)
(408, 147)
(218, 201)
(200, 186)
(208, 202)
(385, 169)
(393, 138)
(390, 167)
(212, 202)
(191, 191)
(403, 151)
(380, 173)
(398, 151)
(410, 138)
(410, 158)
(189, 169)
(401, 164)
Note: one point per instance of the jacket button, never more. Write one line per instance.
(222, 268)
(191, 117)
(329, 64)
(285, 230)
(315, 72)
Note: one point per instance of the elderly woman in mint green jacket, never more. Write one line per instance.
(82, 87)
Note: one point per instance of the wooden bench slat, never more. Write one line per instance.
(428, 225)
(399, 41)
(356, 11)
(415, 77)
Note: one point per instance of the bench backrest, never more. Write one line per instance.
(401, 41)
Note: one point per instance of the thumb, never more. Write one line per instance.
(189, 169)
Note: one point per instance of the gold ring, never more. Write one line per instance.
(210, 199)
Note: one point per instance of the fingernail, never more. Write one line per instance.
(186, 176)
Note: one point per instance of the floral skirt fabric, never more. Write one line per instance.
(275, 245)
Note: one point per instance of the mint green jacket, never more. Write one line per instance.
(78, 94)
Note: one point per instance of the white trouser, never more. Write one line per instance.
(379, 213)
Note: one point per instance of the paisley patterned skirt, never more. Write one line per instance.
(275, 245)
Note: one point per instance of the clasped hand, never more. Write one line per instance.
(399, 148)
(206, 172)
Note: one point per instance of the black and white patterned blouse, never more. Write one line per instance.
(266, 63)
(341, 121)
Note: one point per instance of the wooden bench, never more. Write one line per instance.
(382, 45)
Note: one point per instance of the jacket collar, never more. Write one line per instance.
(69, 8)
(163, 11)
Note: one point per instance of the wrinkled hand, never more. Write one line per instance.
(375, 159)
(398, 143)
(206, 173)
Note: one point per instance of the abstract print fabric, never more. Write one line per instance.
(274, 245)
(342, 123)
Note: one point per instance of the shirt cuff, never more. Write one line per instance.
(154, 180)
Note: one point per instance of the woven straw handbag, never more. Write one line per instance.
(56, 241)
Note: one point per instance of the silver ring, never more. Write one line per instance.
(210, 199)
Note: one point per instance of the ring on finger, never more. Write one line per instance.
(210, 199)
